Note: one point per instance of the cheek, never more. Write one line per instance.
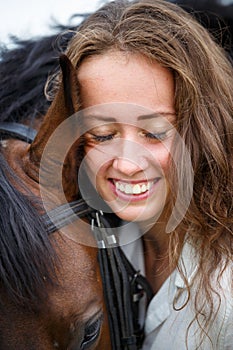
(96, 164)
(164, 160)
(161, 156)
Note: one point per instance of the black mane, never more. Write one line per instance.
(24, 71)
(27, 257)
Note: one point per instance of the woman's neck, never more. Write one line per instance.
(156, 244)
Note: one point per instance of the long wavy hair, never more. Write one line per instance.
(203, 76)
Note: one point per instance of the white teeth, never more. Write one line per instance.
(144, 188)
(133, 189)
(136, 189)
(121, 188)
(128, 189)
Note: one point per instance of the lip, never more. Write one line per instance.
(134, 197)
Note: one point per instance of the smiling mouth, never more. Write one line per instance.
(134, 188)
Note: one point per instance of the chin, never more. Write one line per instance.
(138, 214)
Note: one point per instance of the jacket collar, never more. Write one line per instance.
(188, 263)
(162, 303)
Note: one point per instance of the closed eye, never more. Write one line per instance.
(157, 136)
(102, 138)
(91, 333)
(98, 138)
(85, 335)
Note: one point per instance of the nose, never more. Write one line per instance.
(126, 166)
(130, 159)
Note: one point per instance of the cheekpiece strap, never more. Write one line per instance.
(17, 130)
(123, 287)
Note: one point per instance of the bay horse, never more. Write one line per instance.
(51, 294)
(23, 103)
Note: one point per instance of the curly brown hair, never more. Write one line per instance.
(203, 76)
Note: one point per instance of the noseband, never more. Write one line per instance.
(123, 286)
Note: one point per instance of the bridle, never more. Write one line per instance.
(17, 131)
(124, 287)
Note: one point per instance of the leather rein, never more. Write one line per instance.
(124, 287)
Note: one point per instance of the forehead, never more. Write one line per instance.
(124, 77)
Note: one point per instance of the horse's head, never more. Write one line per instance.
(51, 289)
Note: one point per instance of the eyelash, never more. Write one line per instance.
(159, 136)
(152, 136)
(102, 138)
(92, 332)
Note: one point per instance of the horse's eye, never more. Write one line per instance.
(92, 331)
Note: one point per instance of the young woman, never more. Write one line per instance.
(156, 96)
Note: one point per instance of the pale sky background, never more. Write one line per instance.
(26, 18)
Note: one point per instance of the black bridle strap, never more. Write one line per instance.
(123, 288)
(17, 130)
(65, 214)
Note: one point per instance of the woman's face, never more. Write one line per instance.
(128, 108)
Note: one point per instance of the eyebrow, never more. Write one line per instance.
(141, 117)
(156, 115)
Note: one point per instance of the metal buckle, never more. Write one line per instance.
(103, 237)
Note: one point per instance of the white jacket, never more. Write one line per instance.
(165, 327)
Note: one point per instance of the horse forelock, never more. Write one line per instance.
(24, 71)
(27, 259)
(22, 83)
